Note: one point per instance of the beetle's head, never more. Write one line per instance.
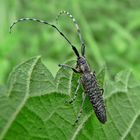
(82, 65)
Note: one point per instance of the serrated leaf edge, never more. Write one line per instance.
(7, 126)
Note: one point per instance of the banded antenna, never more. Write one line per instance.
(77, 28)
(53, 26)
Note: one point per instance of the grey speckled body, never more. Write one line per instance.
(91, 88)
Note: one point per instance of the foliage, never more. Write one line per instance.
(32, 102)
(33, 107)
(110, 30)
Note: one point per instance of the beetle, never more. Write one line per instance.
(87, 78)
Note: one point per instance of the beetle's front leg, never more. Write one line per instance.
(79, 82)
(69, 67)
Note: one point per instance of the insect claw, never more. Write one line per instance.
(68, 102)
(59, 65)
(75, 123)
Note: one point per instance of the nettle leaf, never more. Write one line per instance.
(63, 79)
(101, 77)
(34, 106)
(3, 90)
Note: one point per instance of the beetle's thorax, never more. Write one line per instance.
(82, 65)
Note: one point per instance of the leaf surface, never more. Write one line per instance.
(34, 106)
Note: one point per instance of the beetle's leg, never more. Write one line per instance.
(69, 67)
(102, 90)
(75, 94)
(79, 82)
(80, 112)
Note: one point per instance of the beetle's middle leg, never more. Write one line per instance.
(75, 93)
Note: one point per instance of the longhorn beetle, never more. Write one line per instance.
(87, 78)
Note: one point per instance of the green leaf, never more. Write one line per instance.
(63, 79)
(33, 107)
(101, 77)
(3, 90)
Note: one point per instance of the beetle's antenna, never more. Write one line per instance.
(44, 22)
(77, 28)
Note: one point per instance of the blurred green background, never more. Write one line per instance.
(110, 28)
